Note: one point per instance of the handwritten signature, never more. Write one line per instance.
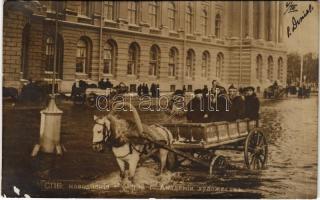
(296, 22)
(290, 7)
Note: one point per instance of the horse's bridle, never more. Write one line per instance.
(105, 131)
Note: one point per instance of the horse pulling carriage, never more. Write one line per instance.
(196, 142)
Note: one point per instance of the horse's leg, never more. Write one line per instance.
(121, 165)
(133, 162)
(163, 153)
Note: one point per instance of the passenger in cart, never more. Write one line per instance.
(237, 105)
(252, 104)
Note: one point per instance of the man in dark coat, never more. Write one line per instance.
(252, 104)
(196, 112)
(220, 103)
(237, 107)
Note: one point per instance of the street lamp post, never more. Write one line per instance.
(50, 124)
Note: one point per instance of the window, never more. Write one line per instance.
(172, 16)
(217, 26)
(108, 10)
(109, 57)
(56, 6)
(154, 61)
(153, 13)
(132, 12)
(49, 54)
(190, 62)
(219, 65)
(280, 68)
(259, 68)
(173, 59)
(82, 56)
(204, 21)
(189, 19)
(205, 64)
(270, 68)
(85, 8)
(24, 51)
(134, 53)
(172, 88)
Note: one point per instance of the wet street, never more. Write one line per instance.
(289, 124)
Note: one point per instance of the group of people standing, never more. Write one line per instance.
(220, 105)
(143, 90)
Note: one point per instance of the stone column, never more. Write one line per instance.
(123, 11)
(272, 20)
(250, 19)
(212, 19)
(261, 20)
(163, 14)
(280, 22)
(197, 14)
(123, 14)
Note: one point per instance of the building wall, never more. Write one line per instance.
(238, 68)
(13, 24)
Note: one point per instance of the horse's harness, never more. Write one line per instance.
(111, 141)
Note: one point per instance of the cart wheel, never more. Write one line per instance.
(91, 100)
(256, 150)
(217, 163)
(172, 162)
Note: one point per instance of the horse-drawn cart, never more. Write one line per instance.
(197, 142)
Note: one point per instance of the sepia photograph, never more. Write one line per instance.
(160, 99)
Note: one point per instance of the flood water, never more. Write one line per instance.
(290, 126)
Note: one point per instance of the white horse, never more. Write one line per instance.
(106, 133)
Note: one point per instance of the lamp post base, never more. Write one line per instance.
(59, 149)
(50, 126)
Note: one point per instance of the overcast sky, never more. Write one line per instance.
(306, 37)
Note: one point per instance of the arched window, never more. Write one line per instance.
(109, 57)
(189, 19)
(220, 60)
(205, 64)
(190, 62)
(173, 61)
(85, 8)
(153, 13)
(280, 68)
(218, 26)
(49, 54)
(172, 15)
(204, 22)
(133, 61)
(259, 64)
(270, 68)
(132, 11)
(154, 61)
(108, 10)
(83, 56)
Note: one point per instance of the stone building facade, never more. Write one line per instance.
(171, 43)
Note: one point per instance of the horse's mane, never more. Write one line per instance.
(122, 128)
